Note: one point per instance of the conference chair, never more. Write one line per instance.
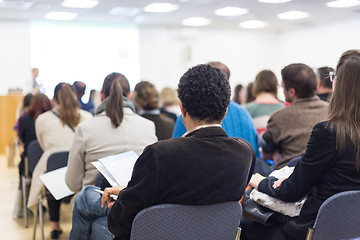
(182, 222)
(55, 161)
(34, 153)
(338, 218)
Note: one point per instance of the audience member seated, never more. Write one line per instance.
(250, 92)
(203, 167)
(169, 103)
(324, 85)
(55, 131)
(237, 121)
(237, 94)
(39, 104)
(289, 129)
(330, 164)
(266, 102)
(146, 100)
(79, 88)
(114, 130)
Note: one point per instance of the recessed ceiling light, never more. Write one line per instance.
(293, 15)
(80, 3)
(196, 22)
(252, 24)
(161, 7)
(343, 3)
(274, 1)
(124, 11)
(60, 15)
(231, 11)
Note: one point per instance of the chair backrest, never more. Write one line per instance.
(57, 160)
(181, 222)
(339, 217)
(34, 153)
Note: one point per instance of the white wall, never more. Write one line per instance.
(15, 68)
(166, 53)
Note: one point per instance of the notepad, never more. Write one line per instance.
(54, 181)
(117, 169)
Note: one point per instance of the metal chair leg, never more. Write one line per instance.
(35, 223)
(24, 193)
(238, 233)
(41, 218)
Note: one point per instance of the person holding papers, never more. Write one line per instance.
(115, 128)
(55, 132)
(330, 164)
(205, 166)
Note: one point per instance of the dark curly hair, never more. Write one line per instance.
(204, 92)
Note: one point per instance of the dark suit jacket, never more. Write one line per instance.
(204, 167)
(321, 173)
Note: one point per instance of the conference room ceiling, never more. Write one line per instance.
(132, 11)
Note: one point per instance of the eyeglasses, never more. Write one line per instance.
(332, 76)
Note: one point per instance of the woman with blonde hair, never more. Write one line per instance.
(55, 131)
(330, 164)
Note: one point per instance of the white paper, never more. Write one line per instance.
(54, 181)
(105, 173)
(119, 167)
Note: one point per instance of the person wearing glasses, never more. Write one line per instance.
(330, 165)
(324, 82)
(289, 129)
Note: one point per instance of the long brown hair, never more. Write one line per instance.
(344, 104)
(113, 90)
(40, 103)
(265, 81)
(68, 105)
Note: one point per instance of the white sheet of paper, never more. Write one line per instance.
(105, 173)
(120, 166)
(54, 181)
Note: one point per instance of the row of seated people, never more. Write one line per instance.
(208, 166)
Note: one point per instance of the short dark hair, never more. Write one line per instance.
(265, 81)
(79, 88)
(300, 77)
(205, 93)
(112, 77)
(222, 67)
(324, 77)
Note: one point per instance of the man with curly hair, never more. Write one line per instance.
(205, 166)
(236, 123)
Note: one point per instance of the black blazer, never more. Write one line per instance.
(204, 167)
(321, 173)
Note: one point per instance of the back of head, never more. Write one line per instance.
(324, 77)
(300, 77)
(265, 81)
(344, 111)
(79, 88)
(40, 103)
(250, 92)
(146, 96)
(205, 93)
(112, 77)
(168, 97)
(236, 97)
(68, 105)
(114, 91)
(27, 100)
(222, 67)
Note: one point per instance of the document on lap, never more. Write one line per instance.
(117, 169)
(54, 181)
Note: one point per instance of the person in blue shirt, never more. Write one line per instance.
(237, 122)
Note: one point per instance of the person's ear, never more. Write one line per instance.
(128, 95)
(183, 111)
(102, 96)
(292, 93)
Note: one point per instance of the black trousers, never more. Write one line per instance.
(251, 230)
(54, 208)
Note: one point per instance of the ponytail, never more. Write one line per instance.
(67, 104)
(114, 106)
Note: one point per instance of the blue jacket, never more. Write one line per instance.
(237, 123)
